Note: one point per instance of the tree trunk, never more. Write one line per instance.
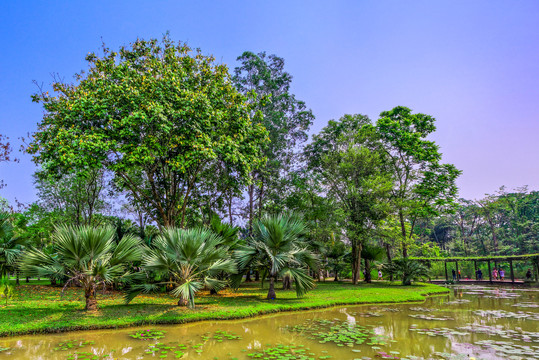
(91, 300)
(388, 253)
(251, 208)
(257, 276)
(248, 276)
(271, 291)
(53, 281)
(336, 275)
(18, 280)
(287, 284)
(183, 302)
(403, 231)
(356, 262)
(368, 278)
(27, 279)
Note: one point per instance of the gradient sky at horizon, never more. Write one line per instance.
(473, 65)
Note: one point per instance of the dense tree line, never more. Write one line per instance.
(177, 175)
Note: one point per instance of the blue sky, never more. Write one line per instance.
(474, 65)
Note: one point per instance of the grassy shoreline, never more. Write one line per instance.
(38, 309)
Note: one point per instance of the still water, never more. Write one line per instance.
(470, 322)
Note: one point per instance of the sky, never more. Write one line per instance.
(473, 65)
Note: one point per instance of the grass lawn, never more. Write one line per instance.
(37, 308)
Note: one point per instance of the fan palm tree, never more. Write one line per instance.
(277, 248)
(84, 255)
(10, 245)
(371, 253)
(407, 269)
(190, 260)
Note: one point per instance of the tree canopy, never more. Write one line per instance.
(155, 114)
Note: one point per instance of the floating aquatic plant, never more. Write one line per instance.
(519, 335)
(86, 355)
(71, 344)
(422, 309)
(446, 332)
(431, 317)
(527, 305)
(508, 314)
(286, 352)
(340, 333)
(148, 334)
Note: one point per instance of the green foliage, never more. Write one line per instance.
(84, 255)
(277, 248)
(356, 174)
(370, 254)
(190, 260)
(287, 121)
(157, 116)
(11, 245)
(75, 197)
(423, 186)
(6, 289)
(407, 269)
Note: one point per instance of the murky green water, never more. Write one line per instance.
(471, 322)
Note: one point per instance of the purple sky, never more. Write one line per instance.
(474, 65)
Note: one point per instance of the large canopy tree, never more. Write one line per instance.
(5, 153)
(286, 119)
(423, 186)
(155, 114)
(356, 174)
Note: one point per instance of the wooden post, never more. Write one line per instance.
(489, 273)
(475, 267)
(457, 270)
(512, 273)
(445, 265)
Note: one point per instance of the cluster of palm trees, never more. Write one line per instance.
(182, 261)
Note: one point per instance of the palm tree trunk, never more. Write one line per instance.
(183, 302)
(271, 291)
(91, 300)
(368, 278)
(287, 284)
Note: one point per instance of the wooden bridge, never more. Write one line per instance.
(534, 258)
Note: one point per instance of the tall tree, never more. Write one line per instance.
(286, 119)
(77, 197)
(423, 186)
(5, 153)
(157, 116)
(355, 172)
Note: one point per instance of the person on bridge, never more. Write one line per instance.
(454, 274)
(529, 274)
(495, 274)
(479, 274)
(502, 274)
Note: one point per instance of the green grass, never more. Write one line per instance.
(42, 309)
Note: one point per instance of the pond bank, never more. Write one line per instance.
(43, 309)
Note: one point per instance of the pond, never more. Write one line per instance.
(470, 322)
